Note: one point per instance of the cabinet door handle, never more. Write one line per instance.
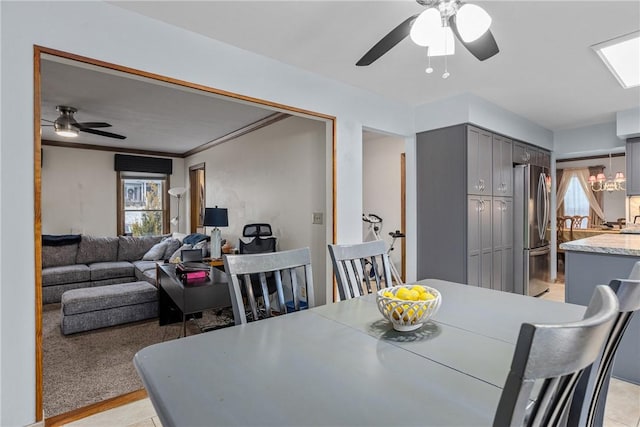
(481, 184)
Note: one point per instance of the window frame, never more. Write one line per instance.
(120, 212)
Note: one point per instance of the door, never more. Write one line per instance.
(479, 161)
(502, 166)
(502, 232)
(538, 271)
(538, 207)
(479, 241)
(197, 193)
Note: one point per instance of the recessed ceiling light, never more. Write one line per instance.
(622, 56)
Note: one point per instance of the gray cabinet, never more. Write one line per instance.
(522, 153)
(502, 237)
(633, 167)
(479, 241)
(479, 161)
(460, 235)
(502, 166)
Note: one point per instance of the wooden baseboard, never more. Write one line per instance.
(95, 408)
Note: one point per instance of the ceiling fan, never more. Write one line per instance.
(66, 125)
(468, 22)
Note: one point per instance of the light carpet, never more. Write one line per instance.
(90, 367)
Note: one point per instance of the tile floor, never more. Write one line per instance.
(622, 410)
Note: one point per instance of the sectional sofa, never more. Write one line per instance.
(80, 261)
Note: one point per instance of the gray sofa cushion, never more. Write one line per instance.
(156, 252)
(110, 270)
(97, 249)
(53, 256)
(65, 274)
(133, 248)
(53, 293)
(172, 246)
(104, 297)
(145, 265)
(147, 275)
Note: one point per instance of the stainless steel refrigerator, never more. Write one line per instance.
(531, 219)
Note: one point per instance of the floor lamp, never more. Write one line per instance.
(177, 192)
(216, 217)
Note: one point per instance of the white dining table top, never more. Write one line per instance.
(343, 364)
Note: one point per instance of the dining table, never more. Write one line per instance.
(343, 364)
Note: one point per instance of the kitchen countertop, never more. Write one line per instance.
(615, 244)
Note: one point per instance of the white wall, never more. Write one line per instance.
(274, 175)
(106, 32)
(614, 202)
(79, 191)
(587, 141)
(469, 108)
(382, 187)
(628, 123)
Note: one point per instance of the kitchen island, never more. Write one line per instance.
(597, 260)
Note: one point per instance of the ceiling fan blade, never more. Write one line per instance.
(396, 35)
(92, 125)
(482, 48)
(102, 133)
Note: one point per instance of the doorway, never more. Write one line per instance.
(44, 53)
(197, 188)
(384, 194)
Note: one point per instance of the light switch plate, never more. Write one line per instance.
(317, 218)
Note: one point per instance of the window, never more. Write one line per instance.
(575, 201)
(142, 204)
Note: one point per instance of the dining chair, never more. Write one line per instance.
(587, 407)
(553, 356)
(291, 268)
(354, 265)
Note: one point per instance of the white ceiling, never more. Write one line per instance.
(545, 71)
(153, 115)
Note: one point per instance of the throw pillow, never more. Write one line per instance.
(172, 246)
(156, 252)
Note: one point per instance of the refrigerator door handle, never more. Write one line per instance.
(540, 214)
(547, 204)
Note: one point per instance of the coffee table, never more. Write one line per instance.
(177, 299)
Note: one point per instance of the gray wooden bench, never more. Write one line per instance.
(86, 309)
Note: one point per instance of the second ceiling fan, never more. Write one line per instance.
(67, 126)
(468, 22)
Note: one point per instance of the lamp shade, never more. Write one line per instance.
(472, 22)
(427, 30)
(177, 191)
(216, 217)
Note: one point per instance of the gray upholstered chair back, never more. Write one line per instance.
(554, 355)
(587, 407)
(291, 267)
(354, 267)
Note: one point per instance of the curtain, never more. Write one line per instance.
(563, 185)
(560, 205)
(599, 196)
(583, 179)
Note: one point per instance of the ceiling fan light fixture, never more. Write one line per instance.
(472, 22)
(65, 129)
(427, 30)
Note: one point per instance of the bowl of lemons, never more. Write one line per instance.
(407, 307)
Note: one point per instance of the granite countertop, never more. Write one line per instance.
(616, 244)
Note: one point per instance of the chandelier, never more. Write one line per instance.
(602, 183)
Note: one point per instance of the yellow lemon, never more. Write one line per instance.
(388, 294)
(413, 295)
(418, 288)
(402, 293)
(426, 296)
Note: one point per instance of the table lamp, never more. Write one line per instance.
(216, 217)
